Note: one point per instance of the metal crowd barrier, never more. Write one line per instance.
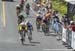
(68, 36)
(73, 40)
(64, 30)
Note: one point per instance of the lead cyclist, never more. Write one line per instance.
(22, 28)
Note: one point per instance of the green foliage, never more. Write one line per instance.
(60, 6)
(74, 17)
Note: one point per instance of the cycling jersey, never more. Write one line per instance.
(29, 26)
(22, 26)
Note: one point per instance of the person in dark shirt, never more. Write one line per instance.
(66, 19)
(56, 19)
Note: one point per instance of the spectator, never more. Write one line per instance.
(73, 26)
(66, 19)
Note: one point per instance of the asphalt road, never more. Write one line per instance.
(1, 24)
(9, 36)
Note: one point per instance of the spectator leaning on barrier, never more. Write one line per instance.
(73, 26)
(65, 20)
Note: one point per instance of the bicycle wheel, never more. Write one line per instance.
(44, 28)
(30, 36)
(22, 37)
(38, 25)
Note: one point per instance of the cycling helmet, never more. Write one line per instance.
(17, 5)
(22, 23)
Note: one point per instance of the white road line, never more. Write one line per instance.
(56, 49)
(3, 14)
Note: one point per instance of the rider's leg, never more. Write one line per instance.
(38, 26)
(21, 34)
(22, 37)
(30, 35)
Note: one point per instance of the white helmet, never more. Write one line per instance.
(39, 12)
(17, 5)
(71, 21)
(22, 23)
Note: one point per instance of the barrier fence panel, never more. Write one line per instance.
(73, 40)
(64, 34)
(69, 37)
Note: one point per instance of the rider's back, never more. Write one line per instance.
(29, 25)
(22, 26)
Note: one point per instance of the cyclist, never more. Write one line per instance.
(22, 4)
(38, 21)
(18, 10)
(27, 9)
(30, 28)
(22, 28)
(45, 27)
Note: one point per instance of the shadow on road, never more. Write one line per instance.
(40, 31)
(68, 47)
(29, 45)
(36, 42)
(51, 34)
(9, 1)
